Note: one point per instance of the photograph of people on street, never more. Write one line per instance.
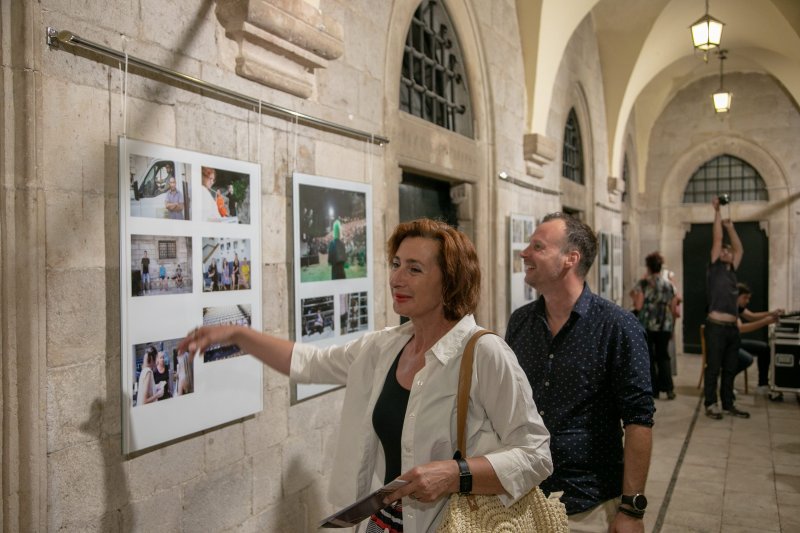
(226, 264)
(160, 265)
(332, 234)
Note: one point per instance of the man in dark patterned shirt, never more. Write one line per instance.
(589, 368)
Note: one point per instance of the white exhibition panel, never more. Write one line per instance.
(224, 389)
(330, 200)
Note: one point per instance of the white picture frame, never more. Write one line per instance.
(520, 229)
(333, 281)
(222, 384)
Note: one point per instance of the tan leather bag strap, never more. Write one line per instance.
(464, 385)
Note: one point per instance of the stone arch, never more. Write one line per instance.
(424, 148)
(676, 218)
(576, 195)
(759, 158)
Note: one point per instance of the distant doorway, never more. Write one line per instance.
(754, 270)
(426, 197)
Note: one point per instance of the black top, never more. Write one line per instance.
(722, 291)
(588, 381)
(387, 419)
(158, 377)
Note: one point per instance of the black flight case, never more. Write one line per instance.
(785, 349)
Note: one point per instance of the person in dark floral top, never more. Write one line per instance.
(656, 302)
(588, 364)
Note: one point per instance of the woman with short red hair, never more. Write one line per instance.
(398, 417)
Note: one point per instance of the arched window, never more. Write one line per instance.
(432, 83)
(572, 154)
(725, 174)
(626, 172)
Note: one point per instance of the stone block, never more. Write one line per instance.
(83, 482)
(275, 310)
(75, 315)
(224, 446)
(75, 231)
(74, 139)
(339, 162)
(316, 413)
(370, 100)
(146, 120)
(271, 425)
(183, 25)
(158, 513)
(74, 404)
(267, 487)
(274, 229)
(288, 515)
(166, 468)
(220, 500)
(217, 136)
(123, 15)
(301, 462)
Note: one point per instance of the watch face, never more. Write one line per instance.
(639, 502)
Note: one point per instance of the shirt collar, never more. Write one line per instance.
(451, 344)
(581, 306)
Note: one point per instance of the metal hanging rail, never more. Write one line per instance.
(55, 39)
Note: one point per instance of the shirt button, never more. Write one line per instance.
(551, 356)
(412, 415)
(419, 383)
(541, 413)
(546, 383)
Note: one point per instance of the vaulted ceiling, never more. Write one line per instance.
(646, 53)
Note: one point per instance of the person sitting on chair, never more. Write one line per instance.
(751, 321)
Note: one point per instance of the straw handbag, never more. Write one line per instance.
(472, 513)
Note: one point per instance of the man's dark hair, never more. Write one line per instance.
(743, 288)
(654, 261)
(579, 237)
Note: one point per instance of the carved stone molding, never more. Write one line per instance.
(538, 151)
(281, 42)
(616, 186)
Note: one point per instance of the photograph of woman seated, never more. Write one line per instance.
(398, 417)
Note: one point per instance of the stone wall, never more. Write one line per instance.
(62, 464)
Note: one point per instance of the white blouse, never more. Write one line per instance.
(503, 423)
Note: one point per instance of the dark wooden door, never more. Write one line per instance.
(754, 270)
(426, 197)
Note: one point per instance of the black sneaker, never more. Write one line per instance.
(712, 411)
(736, 412)
(775, 396)
(670, 395)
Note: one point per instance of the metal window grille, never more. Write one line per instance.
(432, 83)
(625, 175)
(572, 153)
(167, 249)
(725, 174)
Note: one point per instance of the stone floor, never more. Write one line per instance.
(729, 475)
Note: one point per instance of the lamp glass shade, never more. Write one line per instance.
(706, 33)
(722, 101)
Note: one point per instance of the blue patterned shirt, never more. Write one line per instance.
(594, 374)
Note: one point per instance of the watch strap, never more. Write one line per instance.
(630, 512)
(464, 477)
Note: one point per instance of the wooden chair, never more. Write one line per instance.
(703, 362)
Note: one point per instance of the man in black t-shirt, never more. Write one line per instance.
(145, 272)
(722, 323)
